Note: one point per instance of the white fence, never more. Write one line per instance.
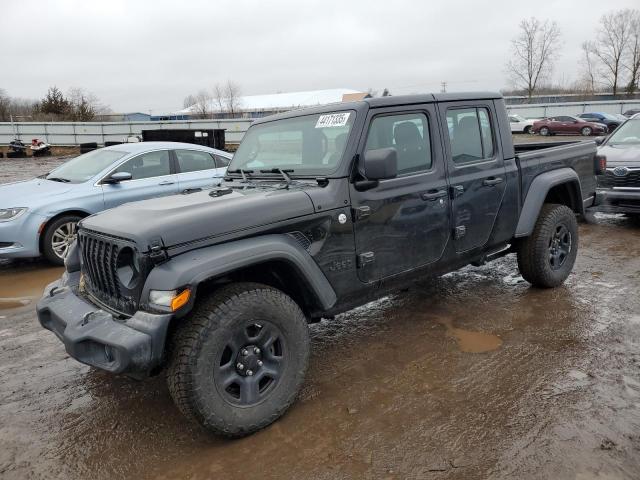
(541, 110)
(75, 133)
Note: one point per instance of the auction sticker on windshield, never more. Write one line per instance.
(333, 120)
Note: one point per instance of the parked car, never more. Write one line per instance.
(520, 124)
(566, 125)
(322, 210)
(632, 112)
(39, 216)
(619, 186)
(611, 121)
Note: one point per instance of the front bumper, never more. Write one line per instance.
(617, 201)
(95, 337)
(19, 237)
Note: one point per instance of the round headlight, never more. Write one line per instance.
(128, 267)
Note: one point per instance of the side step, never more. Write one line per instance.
(493, 255)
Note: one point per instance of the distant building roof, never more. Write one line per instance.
(355, 97)
(286, 101)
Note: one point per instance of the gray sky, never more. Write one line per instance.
(148, 55)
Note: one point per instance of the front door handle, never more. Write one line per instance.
(166, 182)
(491, 181)
(432, 195)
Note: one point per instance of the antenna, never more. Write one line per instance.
(443, 88)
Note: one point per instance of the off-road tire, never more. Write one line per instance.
(533, 251)
(47, 237)
(190, 375)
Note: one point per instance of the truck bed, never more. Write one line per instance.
(534, 159)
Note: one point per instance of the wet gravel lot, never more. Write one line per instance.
(473, 375)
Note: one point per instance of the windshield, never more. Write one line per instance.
(86, 166)
(626, 134)
(306, 145)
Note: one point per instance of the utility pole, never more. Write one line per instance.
(443, 88)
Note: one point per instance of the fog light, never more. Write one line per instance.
(169, 298)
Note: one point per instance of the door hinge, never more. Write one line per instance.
(365, 258)
(459, 232)
(157, 252)
(361, 212)
(456, 191)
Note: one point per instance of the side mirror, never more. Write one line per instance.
(599, 140)
(381, 164)
(118, 177)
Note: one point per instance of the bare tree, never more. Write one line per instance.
(227, 97)
(611, 44)
(188, 101)
(202, 104)
(534, 51)
(588, 63)
(232, 96)
(632, 60)
(83, 105)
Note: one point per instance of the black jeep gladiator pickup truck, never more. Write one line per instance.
(321, 210)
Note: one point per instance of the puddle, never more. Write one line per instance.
(18, 289)
(470, 341)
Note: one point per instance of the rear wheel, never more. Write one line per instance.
(58, 237)
(586, 131)
(612, 127)
(544, 131)
(546, 257)
(240, 359)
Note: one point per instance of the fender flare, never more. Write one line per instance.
(196, 266)
(538, 191)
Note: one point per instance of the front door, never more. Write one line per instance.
(403, 223)
(476, 171)
(151, 176)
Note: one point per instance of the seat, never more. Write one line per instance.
(410, 146)
(466, 139)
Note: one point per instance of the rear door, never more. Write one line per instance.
(152, 176)
(476, 170)
(403, 223)
(197, 169)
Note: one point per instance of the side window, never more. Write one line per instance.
(194, 161)
(408, 134)
(222, 162)
(147, 165)
(471, 138)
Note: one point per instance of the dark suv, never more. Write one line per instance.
(619, 185)
(322, 210)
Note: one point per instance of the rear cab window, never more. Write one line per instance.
(471, 134)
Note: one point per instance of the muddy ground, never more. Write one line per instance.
(470, 376)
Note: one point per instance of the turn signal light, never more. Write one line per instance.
(601, 164)
(180, 300)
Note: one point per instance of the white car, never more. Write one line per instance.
(520, 124)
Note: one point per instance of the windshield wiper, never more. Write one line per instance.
(241, 172)
(282, 172)
(58, 179)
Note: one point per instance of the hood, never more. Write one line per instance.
(182, 218)
(31, 193)
(621, 155)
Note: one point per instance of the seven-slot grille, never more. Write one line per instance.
(609, 180)
(99, 263)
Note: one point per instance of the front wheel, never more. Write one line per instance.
(544, 131)
(58, 237)
(586, 131)
(240, 358)
(527, 130)
(546, 257)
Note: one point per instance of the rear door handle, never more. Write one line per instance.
(491, 181)
(432, 195)
(166, 182)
